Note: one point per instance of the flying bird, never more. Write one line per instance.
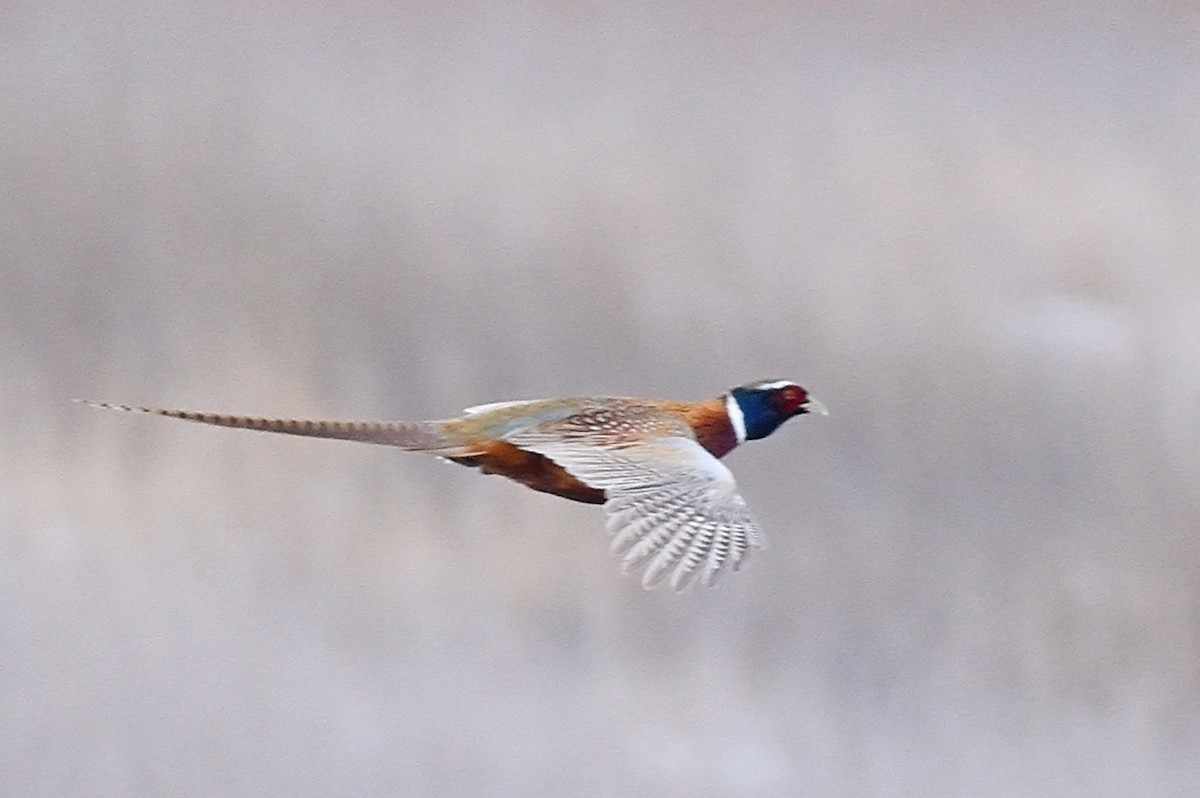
(671, 504)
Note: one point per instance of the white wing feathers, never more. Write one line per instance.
(490, 406)
(670, 503)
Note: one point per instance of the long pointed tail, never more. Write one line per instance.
(423, 436)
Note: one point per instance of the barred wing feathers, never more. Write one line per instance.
(671, 506)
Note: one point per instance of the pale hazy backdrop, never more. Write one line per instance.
(973, 231)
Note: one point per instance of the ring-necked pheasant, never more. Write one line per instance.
(652, 463)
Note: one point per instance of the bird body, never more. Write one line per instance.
(619, 421)
(654, 464)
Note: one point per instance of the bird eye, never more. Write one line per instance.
(793, 397)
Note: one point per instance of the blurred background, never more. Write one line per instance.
(972, 231)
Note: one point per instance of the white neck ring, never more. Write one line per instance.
(736, 418)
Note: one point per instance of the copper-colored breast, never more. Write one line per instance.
(710, 421)
(532, 470)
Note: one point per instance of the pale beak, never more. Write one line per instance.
(814, 405)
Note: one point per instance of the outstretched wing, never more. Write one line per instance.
(670, 503)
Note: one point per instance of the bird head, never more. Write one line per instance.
(766, 404)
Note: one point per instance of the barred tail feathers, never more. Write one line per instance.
(422, 436)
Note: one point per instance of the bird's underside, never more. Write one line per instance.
(531, 470)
